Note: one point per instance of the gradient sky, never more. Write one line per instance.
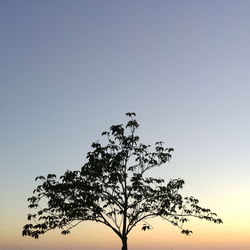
(70, 69)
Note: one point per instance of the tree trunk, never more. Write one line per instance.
(124, 243)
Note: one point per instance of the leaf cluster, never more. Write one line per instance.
(112, 188)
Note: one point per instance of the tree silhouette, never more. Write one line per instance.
(112, 189)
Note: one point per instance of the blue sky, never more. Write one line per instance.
(70, 69)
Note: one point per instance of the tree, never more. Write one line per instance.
(113, 189)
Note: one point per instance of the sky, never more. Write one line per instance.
(71, 69)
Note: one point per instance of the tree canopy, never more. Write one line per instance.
(112, 188)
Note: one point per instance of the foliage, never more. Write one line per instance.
(112, 189)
